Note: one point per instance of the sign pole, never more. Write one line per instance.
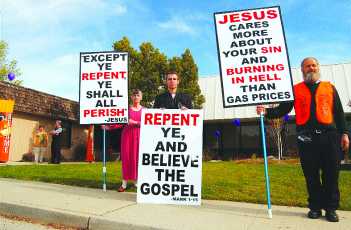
(266, 166)
(107, 96)
(104, 159)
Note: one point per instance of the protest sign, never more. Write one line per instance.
(6, 109)
(253, 58)
(103, 95)
(170, 157)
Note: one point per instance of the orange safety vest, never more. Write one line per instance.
(324, 99)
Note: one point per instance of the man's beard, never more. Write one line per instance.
(311, 77)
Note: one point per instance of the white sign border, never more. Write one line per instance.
(219, 57)
(80, 81)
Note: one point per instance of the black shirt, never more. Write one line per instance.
(166, 101)
(312, 124)
(56, 138)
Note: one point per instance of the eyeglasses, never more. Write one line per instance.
(170, 79)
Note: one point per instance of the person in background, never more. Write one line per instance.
(319, 122)
(40, 144)
(56, 143)
(171, 99)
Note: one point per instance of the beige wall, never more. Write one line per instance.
(23, 128)
(21, 136)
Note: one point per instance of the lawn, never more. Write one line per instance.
(233, 181)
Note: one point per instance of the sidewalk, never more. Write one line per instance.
(95, 209)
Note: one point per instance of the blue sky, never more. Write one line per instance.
(46, 36)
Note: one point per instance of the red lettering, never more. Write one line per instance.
(271, 14)
(225, 20)
(253, 78)
(93, 113)
(148, 118)
(230, 72)
(184, 119)
(86, 112)
(114, 75)
(120, 112)
(259, 17)
(123, 72)
(171, 119)
(104, 75)
(157, 119)
(99, 75)
(84, 76)
(195, 116)
(262, 77)
(246, 16)
(105, 113)
(234, 17)
(101, 112)
(247, 69)
(166, 117)
(249, 15)
(175, 119)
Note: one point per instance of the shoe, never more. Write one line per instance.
(314, 214)
(331, 216)
(121, 189)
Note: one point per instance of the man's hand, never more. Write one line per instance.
(260, 109)
(345, 142)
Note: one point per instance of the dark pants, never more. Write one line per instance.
(321, 154)
(55, 153)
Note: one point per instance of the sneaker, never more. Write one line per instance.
(331, 216)
(314, 214)
(121, 189)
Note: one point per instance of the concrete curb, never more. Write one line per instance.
(45, 215)
(48, 216)
(97, 223)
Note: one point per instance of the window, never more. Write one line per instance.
(66, 140)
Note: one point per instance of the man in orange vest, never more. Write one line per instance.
(319, 122)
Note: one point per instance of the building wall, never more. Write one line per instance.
(243, 141)
(78, 142)
(23, 128)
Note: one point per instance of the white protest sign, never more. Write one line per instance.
(253, 58)
(170, 157)
(103, 96)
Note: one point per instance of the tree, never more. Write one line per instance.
(278, 132)
(188, 71)
(276, 126)
(7, 66)
(147, 68)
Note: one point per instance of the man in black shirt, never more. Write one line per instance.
(171, 99)
(319, 122)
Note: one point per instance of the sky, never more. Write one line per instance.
(46, 36)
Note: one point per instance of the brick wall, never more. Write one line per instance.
(38, 103)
